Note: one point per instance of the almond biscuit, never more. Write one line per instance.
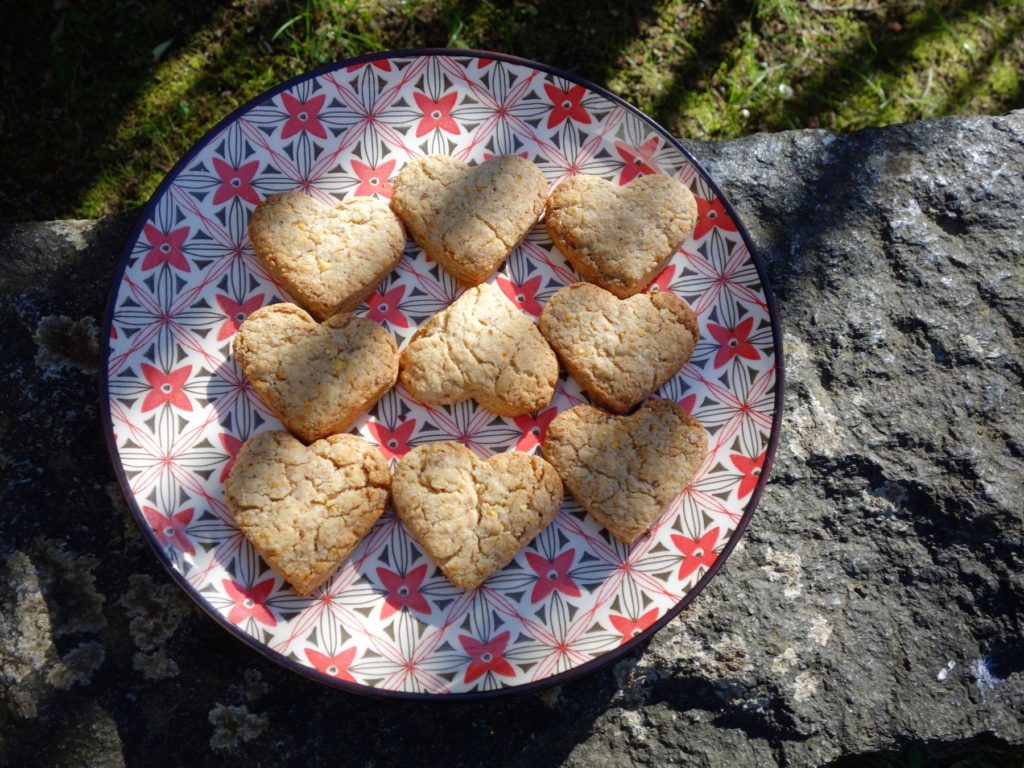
(482, 347)
(620, 237)
(626, 470)
(619, 350)
(316, 378)
(472, 517)
(469, 218)
(328, 259)
(305, 509)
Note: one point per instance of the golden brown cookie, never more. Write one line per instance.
(469, 218)
(328, 259)
(619, 350)
(306, 508)
(626, 470)
(318, 379)
(620, 237)
(482, 347)
(473, 516)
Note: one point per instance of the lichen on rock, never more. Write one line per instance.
(66, 343)
(154, 610)
(235, 724)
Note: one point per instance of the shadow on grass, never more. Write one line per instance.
(91, 122)
(879, 49)
(848, 71)
(73, 119)
(708, 50)
(585, 38)
(67, 72)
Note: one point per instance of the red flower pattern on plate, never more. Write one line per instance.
(639, 160)
(403, 591)
(166, 387)
(436, 114)
(523, 296)
(235, 182)
(733, 342)
(663, 282)
(302, 116)
(373, 180)
(534, 428)
(232, 445)
(751, 469)
(486, 656)
(630, 628)
(393, 443)
(382, 64)
(332, 666)
(170, 531)
(552, 575)
(710, 214)
(567, 105)
(696, 553)
(384, 307)
(250, 602)
(166, 248)
(235, 313)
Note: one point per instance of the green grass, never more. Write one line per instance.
(100, 99)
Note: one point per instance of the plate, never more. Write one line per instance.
(177, 409)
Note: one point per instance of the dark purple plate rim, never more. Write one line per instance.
(562, 677)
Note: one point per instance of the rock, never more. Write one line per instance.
(873, 609)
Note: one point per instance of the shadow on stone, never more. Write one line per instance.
(985, 751)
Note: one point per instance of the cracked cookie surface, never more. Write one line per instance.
(305, 509)
(626, 470)
(619, 350)
(469, 218)
(329, 259)
(473, 516)
(481, 347)
(317, 378)
(620, 237)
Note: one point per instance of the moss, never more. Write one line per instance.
(1004, 81)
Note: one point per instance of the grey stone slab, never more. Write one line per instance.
(874, 605)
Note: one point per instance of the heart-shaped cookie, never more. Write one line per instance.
(328, 259)
(626, 470)
(620, 237)
(473, 516)
(482, 347)
(469, 218)
(619, 350)
(306, 508)
(317, 379)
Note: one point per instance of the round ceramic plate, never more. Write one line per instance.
(177, 409)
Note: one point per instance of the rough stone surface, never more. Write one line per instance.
(874, 606)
